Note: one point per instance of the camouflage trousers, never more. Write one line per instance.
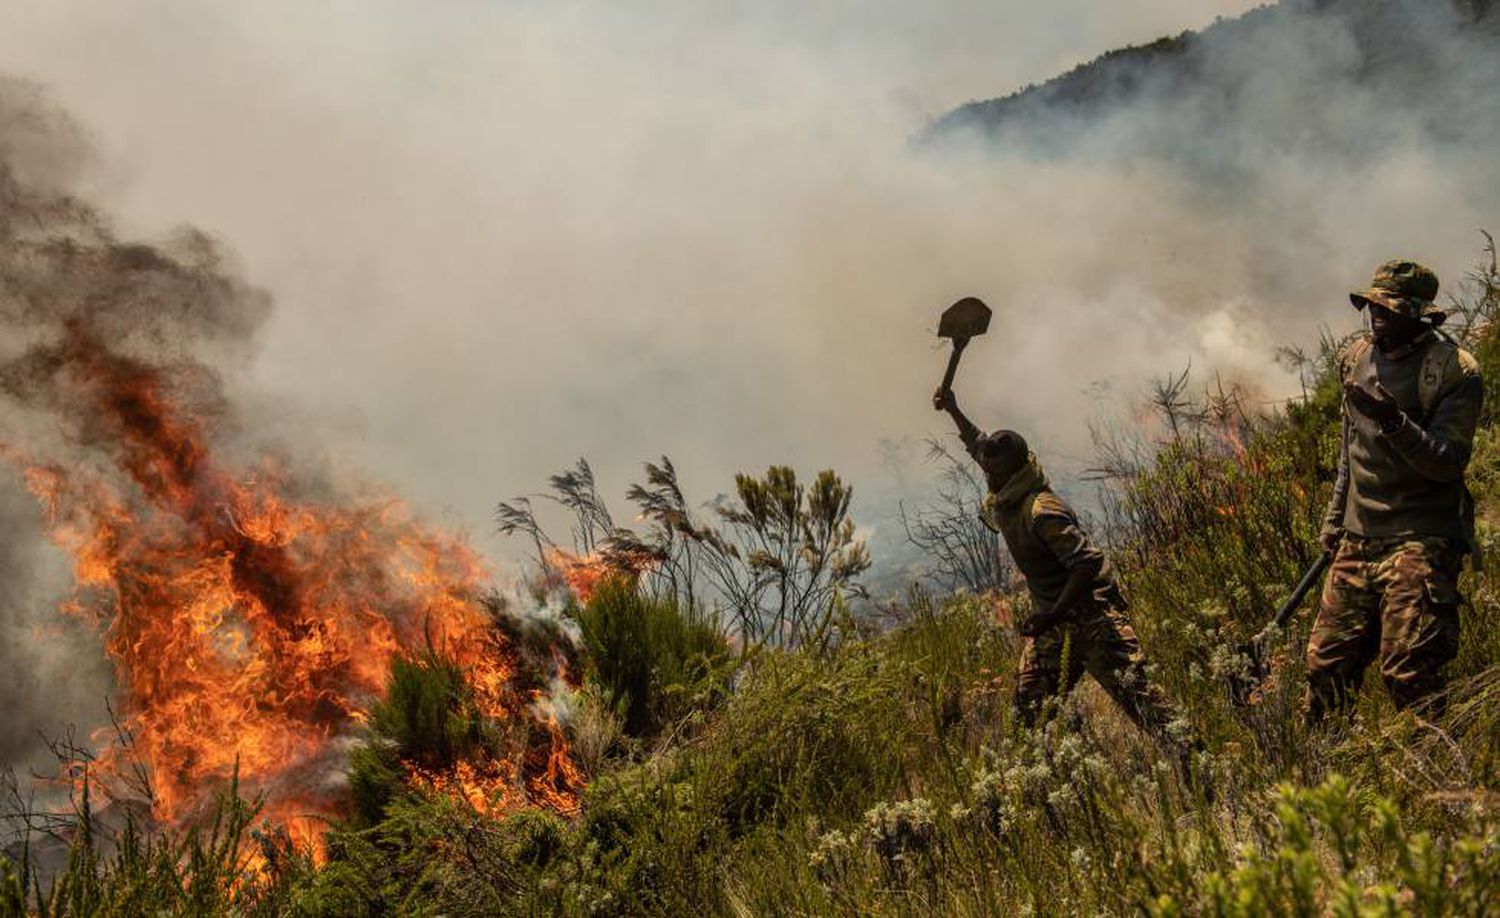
(1102, 643)
(1397, 598)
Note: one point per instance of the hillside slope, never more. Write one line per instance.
(1329, 73)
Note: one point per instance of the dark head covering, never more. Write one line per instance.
(1005, 452)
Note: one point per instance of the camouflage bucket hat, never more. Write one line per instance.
(1403, 287)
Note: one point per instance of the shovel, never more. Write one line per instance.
(968, 318)
(1244, 686)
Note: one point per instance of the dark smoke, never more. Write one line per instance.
(64, 272)
(97, 332)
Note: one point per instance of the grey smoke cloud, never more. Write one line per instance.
(504, 235)
(65, 278)
(500, 236)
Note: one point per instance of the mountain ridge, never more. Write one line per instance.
(1385, 46)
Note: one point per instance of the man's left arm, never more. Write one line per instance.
(1440, 450)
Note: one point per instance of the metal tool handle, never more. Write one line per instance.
(1309, 580)
(958, 348)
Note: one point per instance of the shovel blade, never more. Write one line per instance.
(968, 318)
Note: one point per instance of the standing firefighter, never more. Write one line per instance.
(1079, 617)
(1401, 519)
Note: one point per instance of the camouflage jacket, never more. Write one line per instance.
(1044, 537)
(1408, 480)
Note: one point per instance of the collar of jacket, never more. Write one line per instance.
(1410, 347)
(1027, 480)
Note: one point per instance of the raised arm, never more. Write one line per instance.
(945, 400)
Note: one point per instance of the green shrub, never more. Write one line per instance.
(1334, 850)
(804, 735)
(654, 662)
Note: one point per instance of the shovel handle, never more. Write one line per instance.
(1244, 687)
(1309, 580)
(958, 349)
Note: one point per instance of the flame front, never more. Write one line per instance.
(584, 574)
(251, 629)
(581, 574)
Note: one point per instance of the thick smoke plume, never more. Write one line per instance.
(66, 279)
(504, 236)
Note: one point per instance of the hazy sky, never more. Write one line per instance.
(504, 235)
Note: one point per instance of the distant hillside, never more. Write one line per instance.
(1298, 70)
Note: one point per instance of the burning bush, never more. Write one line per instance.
(251, 609)
(428, 726)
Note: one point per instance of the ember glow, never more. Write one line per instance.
(251, 626)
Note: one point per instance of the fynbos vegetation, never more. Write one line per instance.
(748, 754)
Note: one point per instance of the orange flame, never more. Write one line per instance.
(250, 628)
(584, 574)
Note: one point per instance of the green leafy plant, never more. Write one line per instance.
(655, 662)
